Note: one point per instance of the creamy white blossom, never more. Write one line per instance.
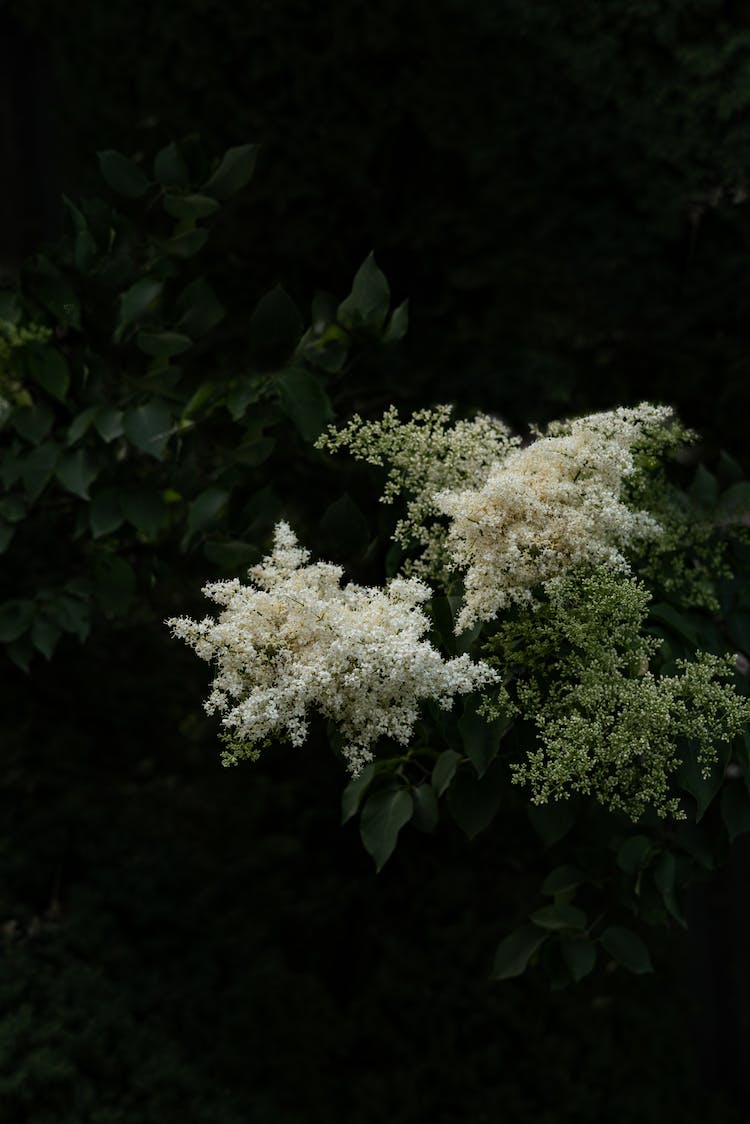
(543, 509)
(296, 640)
(424, 456)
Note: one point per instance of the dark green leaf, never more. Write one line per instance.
(76, 472)
(108, 423)
(49, 368)
(426, 812)
(85, 251)
(481, 739)
(44, 635)
(232, 554)
(187, 244)
(303, 399)
(352, 795)
(627, 949)
(15, 619)
(123, 175)
(234, 171)
(33, 422)
(552, 821)
(559, 916)
(665, 874)
(398, 324)
(199, 309)
(634, 854)
(6, 536)
(735, 809)
(10, 306)
(704, 490)
(580, 957)
(190, 207)
(274, 329)
(170, 168)
(343, 528)
(54, 292)
(384, 814)
(80, 424)
(149, 427)
(105, 515)
(163, 345)
(114, 583)
(73, 615)
(515, 951)
(205, 509)
(444, 770)
(690, 776)
(38, 467)
(368, 301)
(561, 879)
(138, 301)
(473, 801)
(144, 509)
(735, 502)
(12, 508)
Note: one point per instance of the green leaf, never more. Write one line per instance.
(73, 615)
(190, 207)
(199, 309)
(678, 622)
(10, 306)
(105, 515)
(444, 770)
(144, 509)
(15, 619)
(86, 250)
(231, 554)
(38, 467)
(473, 801)
(49, 368)
(45, 635)
(426, 814)
(12, 508)
(343, 528)
(21, 652)
(33, 422)
(114, 583)
(80, 424)
(205, 509)
(515, 951)
(76, 472)
(690, 777)
(122, 175)
(481, 739)
(163, 345)
(234, 171)
(561, 879)
(351, 797)
(108, 423)
(704, 490)
(241, 395)
(274, 329)
(398, 324)
(384, 814)
(369, 299)
(552, 822)
(149, 427)
(55, 293)
(627, 949)
(136, 302)
(634, 854)
(665, 875)
(559, 916)
(6, 536)
(580, 957)
(186, 244)
(303, 399)
(735, 809)
(170, 168)
(735, 502)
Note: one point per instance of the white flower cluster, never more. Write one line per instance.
(424, 455)
(297, 640)
(549, 507)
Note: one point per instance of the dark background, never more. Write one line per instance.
(560, 190)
